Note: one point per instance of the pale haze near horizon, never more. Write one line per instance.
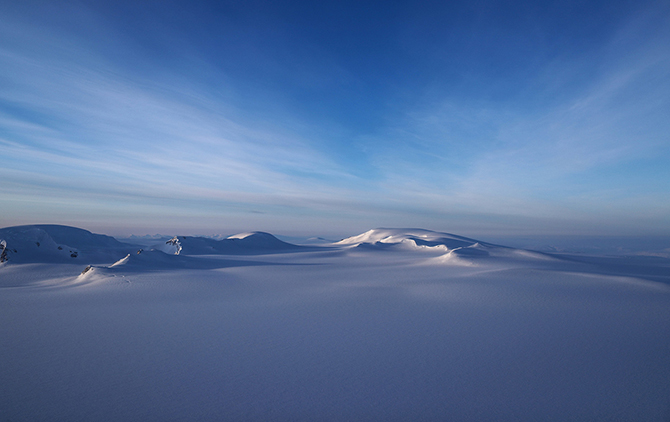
(331, 119)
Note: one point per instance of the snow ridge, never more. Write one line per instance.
(414, 238)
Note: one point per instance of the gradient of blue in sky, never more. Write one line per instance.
(332, 118)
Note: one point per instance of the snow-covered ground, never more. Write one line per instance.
(392, 324)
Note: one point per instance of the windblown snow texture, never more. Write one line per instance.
(392, 324)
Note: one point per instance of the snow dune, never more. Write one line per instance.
(375, 327)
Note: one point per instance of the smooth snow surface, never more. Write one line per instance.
(392, 324)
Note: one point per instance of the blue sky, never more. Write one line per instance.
(333, 118)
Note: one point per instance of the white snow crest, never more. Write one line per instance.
(409, 239)
(241, 235)
(121, 261)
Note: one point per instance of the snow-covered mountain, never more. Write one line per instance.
(55, 243)
(252, 243)
(439, 248)
(409, 237)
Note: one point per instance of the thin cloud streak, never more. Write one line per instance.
(148, 137)
(498, 160)
(132, 133)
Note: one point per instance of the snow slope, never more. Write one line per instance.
(54, 243)
(370, 333)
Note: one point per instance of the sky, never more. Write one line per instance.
(331, 118)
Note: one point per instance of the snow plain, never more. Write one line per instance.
(392, 324)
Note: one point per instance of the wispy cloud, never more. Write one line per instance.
(72, 114)
(501, 158)
(88, 125)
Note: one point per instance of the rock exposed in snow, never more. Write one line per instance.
(3, 251)
(170, 247)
